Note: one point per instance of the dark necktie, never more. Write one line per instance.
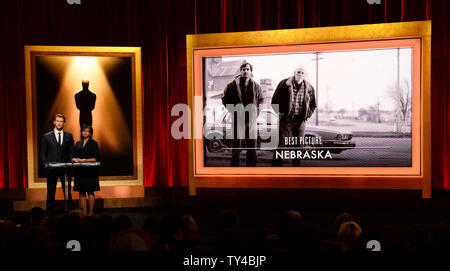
(59, 138)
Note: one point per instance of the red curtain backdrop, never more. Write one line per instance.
(160, 27)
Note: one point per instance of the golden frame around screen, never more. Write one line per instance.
(53, 75)
(416, 36)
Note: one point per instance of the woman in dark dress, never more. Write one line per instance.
(86, 178)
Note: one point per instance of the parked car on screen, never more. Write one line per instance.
(216, 141)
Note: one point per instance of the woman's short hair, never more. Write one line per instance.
(84, 127)
(349, 231)
(189, 227)
(343, 217)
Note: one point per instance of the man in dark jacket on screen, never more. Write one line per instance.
(245, 92)
(296, 102)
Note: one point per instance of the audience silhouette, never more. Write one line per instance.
(31, 231)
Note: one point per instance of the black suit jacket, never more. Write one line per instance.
(52, 152)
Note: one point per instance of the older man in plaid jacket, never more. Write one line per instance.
(296, 103)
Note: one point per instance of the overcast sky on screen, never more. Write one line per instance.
(347, 79)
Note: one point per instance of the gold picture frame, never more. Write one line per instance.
(416, 35)
(134, 53)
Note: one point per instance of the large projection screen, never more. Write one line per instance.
(371, 124)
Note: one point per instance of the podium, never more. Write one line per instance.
(68, 174)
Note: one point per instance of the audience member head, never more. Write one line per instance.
(371, 233)
(72, 221)
(38, 216)
(171, 229)
(108, 218)
(75, 218)
(132, 239)
(41, 238)
(289, 225)
(227, 238)
(341, 218)
(71, 227)
(391, 239)
(36, 239)
(22, 220)
(228, 221)
(76, 213)
(189, 227)
(419, 238)
(151, 225)
(102, 233)
(349, 235)
(122, 222)
(440, 237)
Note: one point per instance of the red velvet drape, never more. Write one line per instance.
(159, 27)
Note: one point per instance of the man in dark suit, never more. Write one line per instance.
(56, 146)
(296, 102)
